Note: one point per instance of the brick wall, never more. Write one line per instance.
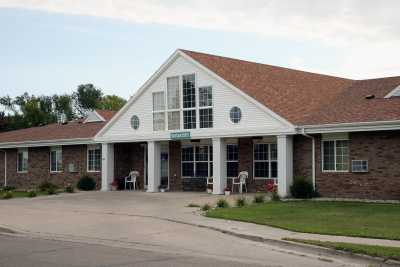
(39, 170)
(175, 180)
(129, 157)
(381, 149)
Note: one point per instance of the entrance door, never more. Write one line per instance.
(164, 168)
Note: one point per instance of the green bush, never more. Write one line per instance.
(46, 186)
(222, 203)
(302, 188)
(70, 189)
(259, 199)
(206, 207)
(51, 191)
(275, 196)
(241, 202)
(8, 195)
(8, 188)
(86, 183)
(32, 194)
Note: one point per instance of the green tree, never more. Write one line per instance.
(87, 97)
(112, 102)
(63, 105)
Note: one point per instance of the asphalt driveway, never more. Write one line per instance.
(159, 222)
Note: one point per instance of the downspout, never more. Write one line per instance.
(5, 167)
(303, 132)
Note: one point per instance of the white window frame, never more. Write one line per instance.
(196, 161)
(334, 155)
(270, 160)
(206, 107)
(89, 148)
(227, 160)
(196, 104)
(159, 111)
(24, 152)
(180, 104)
(58, 153)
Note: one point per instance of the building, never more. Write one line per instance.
(202, 115)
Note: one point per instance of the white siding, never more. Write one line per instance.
(254, 120)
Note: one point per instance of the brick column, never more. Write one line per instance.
(175, 177)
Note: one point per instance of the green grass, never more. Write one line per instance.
(370, 250)
(21, 194)
(332, 218)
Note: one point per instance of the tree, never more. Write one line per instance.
(87, 97)
(63, 105)
(112, 102)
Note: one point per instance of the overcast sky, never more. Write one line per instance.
(49, 46)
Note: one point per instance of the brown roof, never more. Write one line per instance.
(72, 130)
(304, 97)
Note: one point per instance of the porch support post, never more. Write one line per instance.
(154, 173)
(285, 164)
(219, 166)
(107, 166)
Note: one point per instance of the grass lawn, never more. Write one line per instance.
(371, 250)
(332, 218)
(19, 194)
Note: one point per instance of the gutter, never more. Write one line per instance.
(313, 154)
(5, 167)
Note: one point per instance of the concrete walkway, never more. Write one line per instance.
(162, 221)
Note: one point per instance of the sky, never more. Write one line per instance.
(51, 46)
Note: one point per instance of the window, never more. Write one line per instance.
(22, 160)
(197, 161)
(232, 163)
(56, 159)
(173, 92)
(158, 111)
(205, 107)
(94, 159)
(359, 165)
(265, 161)
(189, 119)
(189, 91)
(335, 155)
(174, 120)
(135, 122)
(235, 114)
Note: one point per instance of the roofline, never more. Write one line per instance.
(391, 93)
(351, 127)
(55, 142)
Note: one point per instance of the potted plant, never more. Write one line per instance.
(114, 185)
(162, 188)
(227, 191)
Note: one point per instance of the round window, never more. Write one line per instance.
(135, 122)
(235, 114)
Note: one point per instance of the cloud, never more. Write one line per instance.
(364, 28)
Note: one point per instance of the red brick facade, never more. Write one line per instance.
(39, 170)
(129, 157)
(382, 181)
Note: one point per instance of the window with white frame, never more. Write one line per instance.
(232, 160)
(197, 161)
(174, 122)
(94, 159)
(205, 107)
(189, 101)
(22, 160)
(173, 96)
(265, 161)
(335, 155)
(158, 111)
(56, 159)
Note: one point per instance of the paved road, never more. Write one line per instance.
(143, 227)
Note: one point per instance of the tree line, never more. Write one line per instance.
(27, 110)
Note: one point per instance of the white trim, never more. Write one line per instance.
(22, 150)
(393, 92)
(269, 162)
(334, 156)
(93, 147)
(56, 142)
(351, 127)
(55, 149)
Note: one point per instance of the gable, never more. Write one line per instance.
(256, 119)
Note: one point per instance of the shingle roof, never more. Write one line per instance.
(304, 97)
(72, 130)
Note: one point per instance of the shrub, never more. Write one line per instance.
(8, 188)
(86, 183)
(301, 188)
(70, 189)
(259, 199)
(241, 202)
(193, 205)
(8, 195)
(206, 207)
(51, 191)
(46, 186)
(32, 194)
(275, 196)
(222, 203)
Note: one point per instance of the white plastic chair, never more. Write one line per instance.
(240, 181)
(210, 181)
(131, 179)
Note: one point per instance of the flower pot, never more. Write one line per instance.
(162, 190)
(209, 190)
(114, 188)
(227, 193)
